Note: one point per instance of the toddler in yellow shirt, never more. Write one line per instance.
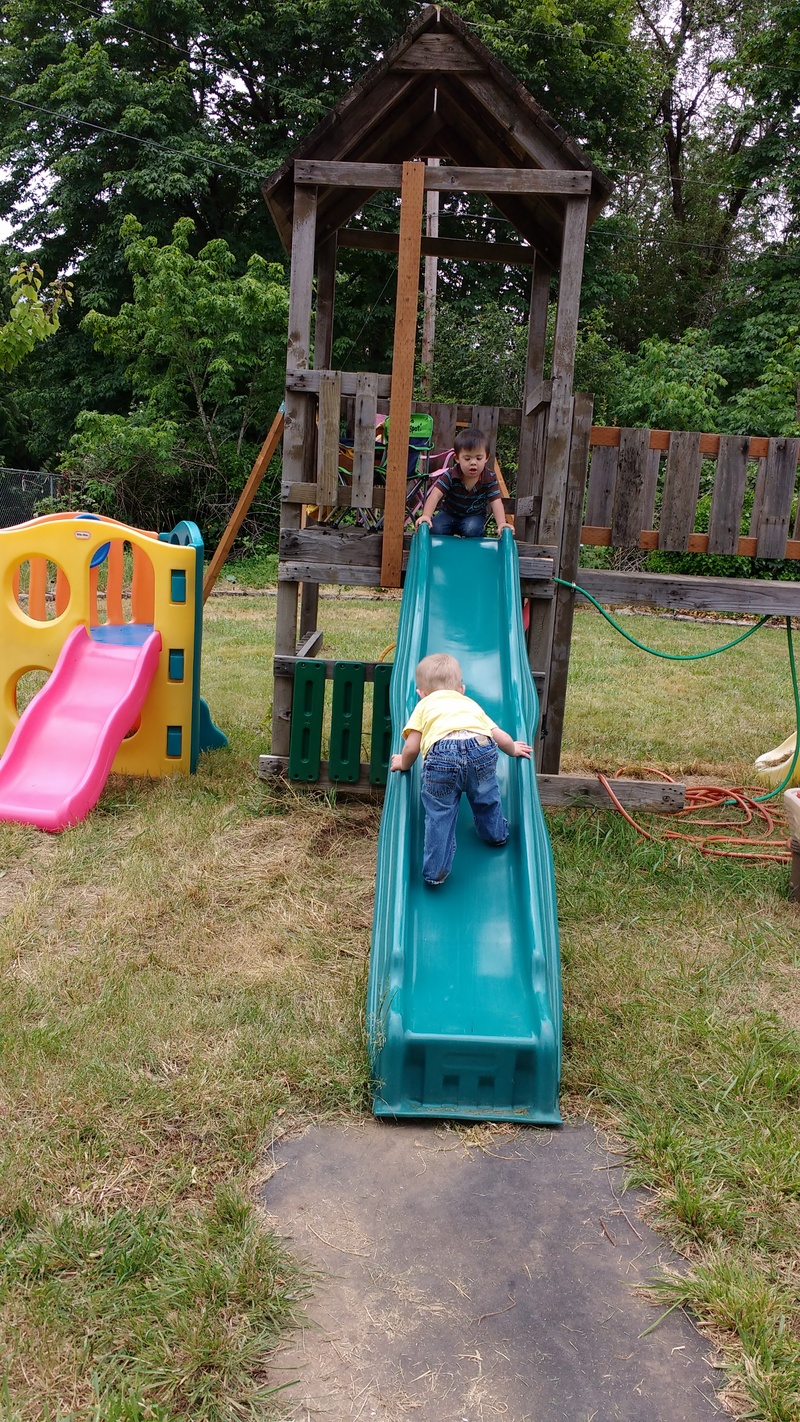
(459, 744)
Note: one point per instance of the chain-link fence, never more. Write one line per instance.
(21, 490)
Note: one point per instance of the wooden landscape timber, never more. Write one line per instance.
(440, 95)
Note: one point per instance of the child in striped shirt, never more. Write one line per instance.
(466, 490)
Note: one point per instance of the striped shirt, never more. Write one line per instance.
(460, 501)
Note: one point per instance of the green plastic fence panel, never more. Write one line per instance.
(381, 726)
(308, 708)
(346, 719)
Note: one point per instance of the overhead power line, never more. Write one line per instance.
(133, 137)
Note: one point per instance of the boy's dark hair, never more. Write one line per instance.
(470, 440)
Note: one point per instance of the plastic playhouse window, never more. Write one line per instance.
(41, 589)
(28, 685)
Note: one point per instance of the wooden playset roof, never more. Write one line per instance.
(439, 93)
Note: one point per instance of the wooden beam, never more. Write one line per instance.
(564, 601)
(569, 287)
(609, 435)
(405, 337)
(511, 254)
(439, 52)
(745, 547)
(557, 181)
(298, 430)
(529, 470)
(246, 497)
(756, 596)
(564, 791)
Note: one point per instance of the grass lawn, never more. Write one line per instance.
(182, 980)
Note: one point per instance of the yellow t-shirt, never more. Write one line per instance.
(441, 713)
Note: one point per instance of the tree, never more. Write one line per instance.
(33, 315)
(203, 350)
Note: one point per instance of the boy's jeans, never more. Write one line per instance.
(453, 768)
(470, 526)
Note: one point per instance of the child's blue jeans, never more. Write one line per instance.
(470, 526)
(453, 768)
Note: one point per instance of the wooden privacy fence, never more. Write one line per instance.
(630, 505)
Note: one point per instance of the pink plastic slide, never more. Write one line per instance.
(62, 749)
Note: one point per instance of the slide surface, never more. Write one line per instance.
(464, 996)
(63, 746)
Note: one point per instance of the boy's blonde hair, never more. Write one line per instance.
(439, 672)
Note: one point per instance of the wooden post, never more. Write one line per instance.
(564, 598)
(297, 432)
(246, 497)
(405, 338)
(557, 455)
(534, 374)
(323, 348)
(429, 289)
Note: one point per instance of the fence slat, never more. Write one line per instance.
(444, 427)
(727, 499)
(364, 440)
(776, 508)
(681, 488)
(652, 471)
(328, 436)
(628, 506)
(602, 477)
(347, 713)
(308, 707)
(487, 418)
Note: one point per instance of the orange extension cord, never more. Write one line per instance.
(774, 845)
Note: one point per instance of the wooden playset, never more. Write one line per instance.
(440, 113)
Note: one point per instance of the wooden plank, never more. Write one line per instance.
(758, 496)
(330, 393)
(311, 380)
(321, 543)
(364, 440)
(659, 439)
(776, 508)
(698, 542)
(575, 790)
(681, 488)
(569, 286)
(556, 181)
(454, 249)
(629, 486)
(565, 791)
(308, 646)
(486, 418)
(444, 426)
(439, 52)
(244, 501)
(369, 576)
(757, 596)
(564, 603)
(727, 498)
(403, 351)
(652, 469)
(602, 477)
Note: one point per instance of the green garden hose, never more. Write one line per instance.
(698, 656)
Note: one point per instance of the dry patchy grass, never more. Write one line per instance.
(182, 979)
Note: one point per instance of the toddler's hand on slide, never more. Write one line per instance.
(523, 750)
(397, 762)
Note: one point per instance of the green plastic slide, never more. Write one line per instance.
(464, 996)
